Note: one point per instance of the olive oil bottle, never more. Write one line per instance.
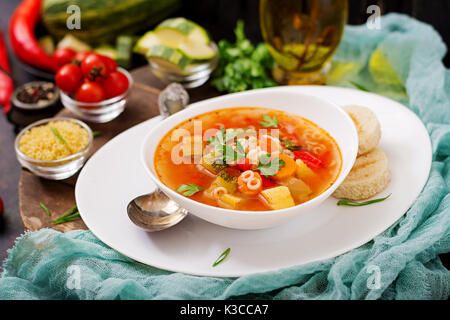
(302, 36)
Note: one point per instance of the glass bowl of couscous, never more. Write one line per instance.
(54, 148)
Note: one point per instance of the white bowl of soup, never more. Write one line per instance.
(252, 160)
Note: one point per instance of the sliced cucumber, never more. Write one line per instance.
(193, 31)
(199, 35)
(124, 45)
(73, 43)
(145, 42)
(167, 57)
(170, 37)
(196, 51)
(47, 44)
(107, 50)
(183, 25)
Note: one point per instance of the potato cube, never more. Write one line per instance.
(278, 197)
(230, 201)
(299, 189)
(303, 171)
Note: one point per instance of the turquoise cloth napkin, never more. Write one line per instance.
(402, 61)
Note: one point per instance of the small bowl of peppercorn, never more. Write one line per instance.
(35, 95)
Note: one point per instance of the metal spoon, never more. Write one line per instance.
(156, 211)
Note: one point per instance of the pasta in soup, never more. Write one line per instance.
(250, 159)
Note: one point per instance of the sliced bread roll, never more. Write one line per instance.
(370, 175)
(368, 127)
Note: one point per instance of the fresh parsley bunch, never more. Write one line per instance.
(241, 65)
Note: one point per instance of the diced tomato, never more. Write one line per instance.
(267, 183)
(308, 159)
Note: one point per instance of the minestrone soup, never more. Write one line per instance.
(250, 159)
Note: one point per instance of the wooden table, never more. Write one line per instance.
(58, 196)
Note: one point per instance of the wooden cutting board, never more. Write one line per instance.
(58, 196)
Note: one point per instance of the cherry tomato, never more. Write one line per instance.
(89, 92)
(80, 56)
(94, 67)
(111, 64)
(63, 56)
(115, 84)
(69, 77)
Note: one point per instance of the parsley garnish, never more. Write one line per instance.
(219, 141)
(268, 166)
(241, 65)
(269, 122)
(189, 189)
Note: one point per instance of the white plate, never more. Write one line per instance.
(114, 175)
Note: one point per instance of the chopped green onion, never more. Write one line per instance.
(96, 133)
(69, 215)
(360, 204)
(359, 86)
(66, 218)
(56, 133)
(45, 208)
(221, 257)
(70, 211)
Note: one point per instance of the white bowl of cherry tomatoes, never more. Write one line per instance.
(93, 87)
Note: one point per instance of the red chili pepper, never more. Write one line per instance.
(6, 83)
(267, 183)
(308, 159)
(21, 35)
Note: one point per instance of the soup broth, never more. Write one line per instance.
(250, 159)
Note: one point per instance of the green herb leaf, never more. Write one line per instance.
(269, 122)
(360, 204)
(240, 148)
(190, 189)
(45, 208)
(96, 133)
(221, 257)
(56, 133)
(268, 166)
(358, 86)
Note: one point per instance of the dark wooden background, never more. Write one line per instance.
(219, 17)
